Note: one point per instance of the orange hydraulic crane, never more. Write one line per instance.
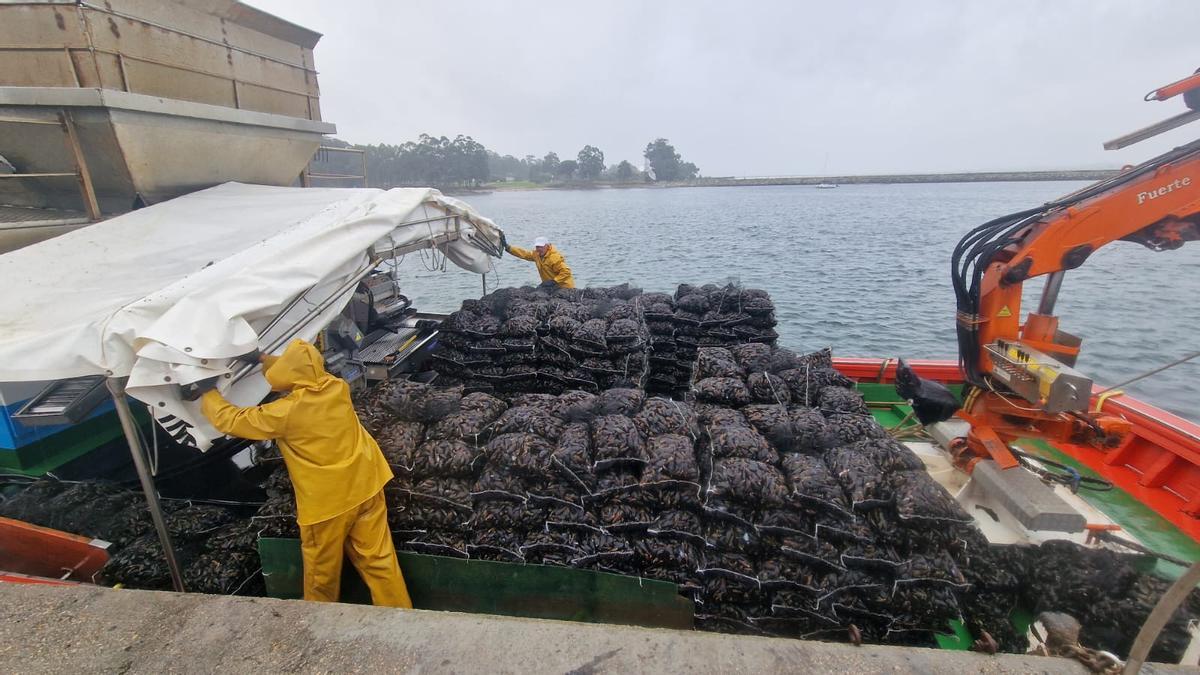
(1021, 375)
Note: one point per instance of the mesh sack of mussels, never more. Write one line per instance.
(1108, 592)
(809, 498)
(710, 316)
(217, 549)
(526, 340)
(719, 316)
(141, 564)
(95, 509)
(669, 368)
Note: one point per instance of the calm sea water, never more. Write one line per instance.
(863, 268)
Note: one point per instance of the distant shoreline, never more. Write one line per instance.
(878, 179)
(884, 179)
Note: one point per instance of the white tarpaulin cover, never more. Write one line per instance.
(166, 295)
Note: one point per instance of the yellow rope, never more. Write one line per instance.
(1105, 396)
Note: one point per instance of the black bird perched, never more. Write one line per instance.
(932, 401)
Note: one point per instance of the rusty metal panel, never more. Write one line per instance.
(35, 69)
(271, 87)
(253, 97)
(186, 155)
(136, 40)
(33, 45)
(184, 85)
(193, 50)
(314, 87)
(174, 15)
(257, 70)
(40, 26)
(36, 148)
(43, 148)
(85, 69)
(106, 71)
(154, 142)
(265, 23)
(265, 45)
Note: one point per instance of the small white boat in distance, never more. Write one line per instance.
(825, 184)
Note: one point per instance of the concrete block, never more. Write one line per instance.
(1027, 498)
(945, 432)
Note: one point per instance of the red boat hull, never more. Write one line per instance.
(28, 551)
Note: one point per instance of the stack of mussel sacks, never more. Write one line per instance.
(770, 495)
(519, 340)
(818, 518)
(526, 340)
(701, 316)
(767, 492)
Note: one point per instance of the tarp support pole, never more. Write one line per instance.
(245, 370)
(1163, 610)
(116, 387)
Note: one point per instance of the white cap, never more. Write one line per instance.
(541, 241)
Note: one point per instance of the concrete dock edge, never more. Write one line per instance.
(88, 629)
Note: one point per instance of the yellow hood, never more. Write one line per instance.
(299, 366)
(334, 463)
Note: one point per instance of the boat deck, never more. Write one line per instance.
(1136, 518)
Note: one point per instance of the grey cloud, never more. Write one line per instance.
(764, 88)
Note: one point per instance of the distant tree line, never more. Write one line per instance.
(464, 162)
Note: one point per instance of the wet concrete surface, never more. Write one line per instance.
(89, 629)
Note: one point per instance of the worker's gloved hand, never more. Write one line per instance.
(547, 285)
(194, 390)
(504, 242)
(251, 357)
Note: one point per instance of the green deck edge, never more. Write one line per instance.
(887, 406)
(1155, 532)
(959, 638)
(509, 589)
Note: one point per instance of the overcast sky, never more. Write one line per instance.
(760, 88)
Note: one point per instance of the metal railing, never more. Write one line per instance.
(81, 173)
(195, 36)
(322, 155)
(122, 57)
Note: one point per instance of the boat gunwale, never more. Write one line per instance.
(1173, 443)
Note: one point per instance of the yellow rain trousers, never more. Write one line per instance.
(550, 267)
(367, 542)
(337, 472)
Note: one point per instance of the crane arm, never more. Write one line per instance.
(1158, 207)
(1148, 209)
(1022, 374)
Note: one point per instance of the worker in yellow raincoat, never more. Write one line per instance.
(550, 263)
(337, 471)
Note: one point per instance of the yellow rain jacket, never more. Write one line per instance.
(334, 463)
(550, 267)
(337, 473)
